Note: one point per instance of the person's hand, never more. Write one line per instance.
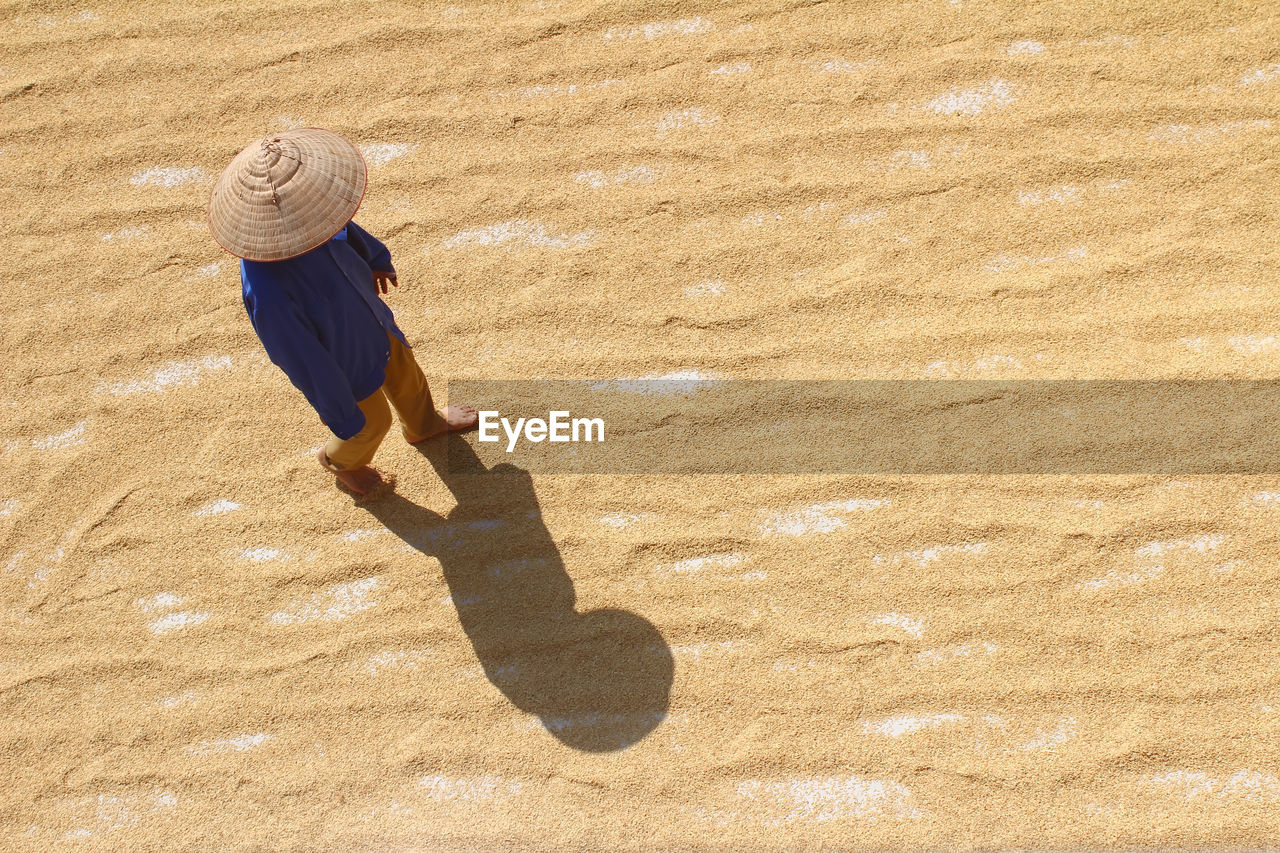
(384, 280)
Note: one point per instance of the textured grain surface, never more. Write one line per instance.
(207, 647)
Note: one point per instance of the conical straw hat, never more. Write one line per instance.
(286, 194)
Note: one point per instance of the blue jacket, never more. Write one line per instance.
(321, 321)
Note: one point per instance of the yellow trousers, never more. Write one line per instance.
(406, 389)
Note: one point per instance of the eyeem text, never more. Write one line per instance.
(558, 426)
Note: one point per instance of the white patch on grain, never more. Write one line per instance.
(905, 724)
(1182, 133)
(985, 364)
(934, 657)
(169, 176)
(208, 271)
(596, 719)
(1265, 498)
(970, 102)
(262, 555)
(910, 158)
(175, 374)
(81, 17)
(864, 217)
(911, 625)
(469, 789)
(381, 153)
(758, 219)
(397, 659)
(185, 698)
(735, 68)
(1024, 48)
(163, 601)
(112, 813)
(158, 602)
(842, 66)
(42, 574)
(694, 565)
(782, 665)
(1253, 344)
(554, 90)
(695, 651)
(619, 520)
(518, 231)
(127, 234)
(693, 377)
(682, 382)
(176, 621)
(706, 287)
(1197, 344)
(62, 440)
(816, 210)
(682, 27)
(1247, 785)
(681, 119)
(1115, 578)
(1062, 195)
(8, 506)
(635, 175)
(239, 743)
(831, 798)
(816, 518)
(336, 602)
(1201, 544)
(1263, 74)
(218, 507)
(362, 533)
(932, 554)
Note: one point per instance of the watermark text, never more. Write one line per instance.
(557, 427)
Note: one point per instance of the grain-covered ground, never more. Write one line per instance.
(207, 646)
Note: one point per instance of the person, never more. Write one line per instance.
(311, 282)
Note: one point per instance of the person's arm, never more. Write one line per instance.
(369, 247)
(375, 254)
(292, 345)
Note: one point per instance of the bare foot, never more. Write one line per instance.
(360, 480)
(456, 417)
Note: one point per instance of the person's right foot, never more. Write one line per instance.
(456, 417)
(360, 480)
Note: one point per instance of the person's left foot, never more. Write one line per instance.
(456, 417)
(360, 480)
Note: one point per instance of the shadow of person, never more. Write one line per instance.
(598, 681)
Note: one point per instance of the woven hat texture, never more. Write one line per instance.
(286, 194)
